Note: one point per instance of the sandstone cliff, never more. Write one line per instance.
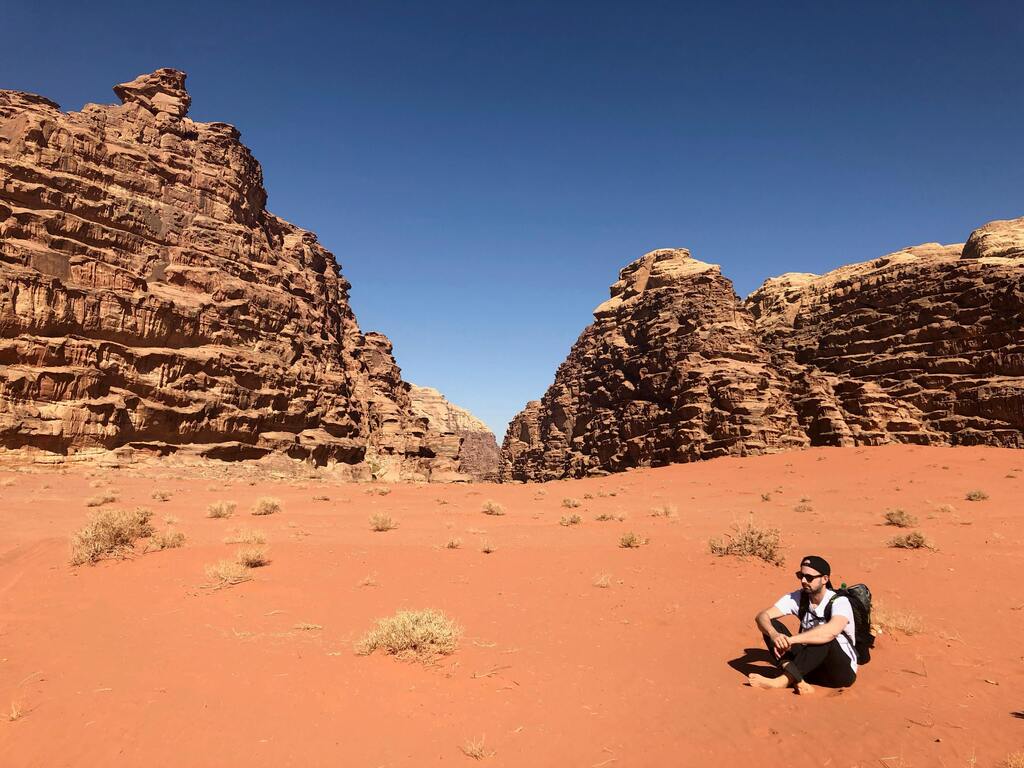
(669, 371)
(478, 456)
(150, 302)
(925, 345)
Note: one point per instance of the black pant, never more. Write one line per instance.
(824, 664)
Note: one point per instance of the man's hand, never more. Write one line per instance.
(781, 643)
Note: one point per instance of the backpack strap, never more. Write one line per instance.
(828, 607)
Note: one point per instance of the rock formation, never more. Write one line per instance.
(669, 371)
(925, 345)
(478, 456)
(150, 302)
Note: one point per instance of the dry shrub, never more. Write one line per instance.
(321, 498)
(161, 495)
(109, 533)
(246, 536)
(571, 503)
(913, 540)
(750, 541)
(492, 508)
(267, 506)
(453, 544)
(221, 509)
(252, 557)
(419, 635)
(766, 497)
(305, 626)
(1013, 760)
(900, 519)
(631, 541)
(568, 520)
(976, 496)
(884, 620)
(106, 497)
(486, 548)
(167, 540)
(475, 749)
(381, 522)
(803, 508)
(588, 496)
(603, 581)
(666, 510)
(946, 509)
(227, 573)
(379, 491)
(604, 517)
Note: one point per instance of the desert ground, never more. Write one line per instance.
(575, 651)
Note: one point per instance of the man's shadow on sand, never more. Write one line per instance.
(748, 662)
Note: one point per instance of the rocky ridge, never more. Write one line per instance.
(925, 345)
(479, 452)
(150, 303)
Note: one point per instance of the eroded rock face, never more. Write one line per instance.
(148, 299)
(925, 345)
(478, 456)
(669, 371)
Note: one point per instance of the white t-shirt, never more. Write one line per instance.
(790, 606)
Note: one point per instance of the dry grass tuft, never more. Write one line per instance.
(227, 573)
(603, 581)
(252, 557)
(379, 491)
(604, 517)
(803, 508)
(571, 503)
(171, 520)
(492, 508)
(221, 509)
(453, 543)
(267, 506)
(486, 548)
(167, 540)
(305, 626)
(766, 497)
(666, 510)
(246, 536)
(419, 635)
(321, 498)
(109, 533)
(16, 712)
(913, 540)
(631, 541)
(751, 541)
(1013, 760)
(107, 497)
(475, 749)
(568, 520)
(976, 496)
(380, 522)
(900, 519)
(884, 621)
(368, 581)
(161, 495)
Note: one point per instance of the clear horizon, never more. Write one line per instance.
(482, 172)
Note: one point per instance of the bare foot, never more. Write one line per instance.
(760, 681)
(804, 688)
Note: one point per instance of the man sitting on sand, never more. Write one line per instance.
(823, 652)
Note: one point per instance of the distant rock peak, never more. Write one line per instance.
(159, 91)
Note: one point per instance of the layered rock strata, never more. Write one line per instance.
(149, 301)
(925, 346)
(669, 371)
(479, 454)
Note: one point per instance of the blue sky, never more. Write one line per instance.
(482, 170)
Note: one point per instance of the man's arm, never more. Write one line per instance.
(764, 623)
(823, 633)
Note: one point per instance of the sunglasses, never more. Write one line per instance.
(807, 576)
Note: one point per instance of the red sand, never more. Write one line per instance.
(136, 663)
